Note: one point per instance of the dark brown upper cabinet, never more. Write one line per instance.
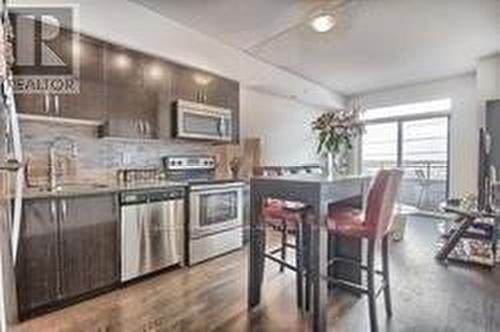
(87, 102)
(201, 87)
(138, 88)
(123, 92)
(130, 92)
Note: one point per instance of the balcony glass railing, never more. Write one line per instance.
(425, 182)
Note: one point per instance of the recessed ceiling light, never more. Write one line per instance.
(323, 22)
(202, 79)
(122, 61)
(155, 72)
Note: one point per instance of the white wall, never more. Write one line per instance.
(133, 25)
(464, 124)
(284, 125)
(488, 77)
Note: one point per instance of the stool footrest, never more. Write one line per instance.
(351, 261)
(352, 286)
(280, 261)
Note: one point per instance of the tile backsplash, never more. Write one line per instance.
(97, 157)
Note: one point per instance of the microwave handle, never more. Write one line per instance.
(222, 127)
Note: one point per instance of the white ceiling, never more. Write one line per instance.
(376, 43)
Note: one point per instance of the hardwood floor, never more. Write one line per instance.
(211, 296)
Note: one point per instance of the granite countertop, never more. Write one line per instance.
(69, 190)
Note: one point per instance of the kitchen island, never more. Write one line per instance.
(319, 193)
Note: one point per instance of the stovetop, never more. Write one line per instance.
(195, 170)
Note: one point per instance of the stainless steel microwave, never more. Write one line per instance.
(200, 121)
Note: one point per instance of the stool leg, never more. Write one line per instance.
(284, 231)
(420, 197)
(299, 263)
(372, 304)
(306, 260)
(385, 271)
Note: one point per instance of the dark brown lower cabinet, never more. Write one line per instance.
(37, 266)
(69, 247)
(89, 244)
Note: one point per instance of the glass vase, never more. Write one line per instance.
(331, 167)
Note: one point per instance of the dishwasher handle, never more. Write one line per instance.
(166, 195)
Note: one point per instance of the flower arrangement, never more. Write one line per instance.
(337, 129)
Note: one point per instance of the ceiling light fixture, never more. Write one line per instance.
(122, 61)
(155, 72)
(202, 79)
(323, 22)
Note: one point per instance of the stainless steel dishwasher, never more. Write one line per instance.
(152, 231)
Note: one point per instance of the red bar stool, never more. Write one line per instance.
(285, 216)
(372, 224)
(282, 220)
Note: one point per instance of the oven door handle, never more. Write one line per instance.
(213, 187)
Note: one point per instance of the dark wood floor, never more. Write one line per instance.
(212, 296)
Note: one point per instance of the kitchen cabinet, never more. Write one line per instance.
(130, 92)
(37, 268)
(68, 248)
(186, 86)
(233, 92)
(201, 87)
(88, 101)
(89, 244)
(165, 98)
(121, 76)
(134, 84)
(157, 96)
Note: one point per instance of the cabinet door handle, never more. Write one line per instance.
(64, 210)
(53, 211)
(46, 103)
(146, 127)
(56, 105)
(139, 127)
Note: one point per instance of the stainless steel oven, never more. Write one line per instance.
(215, 208)
(215, 220)
(200, 121)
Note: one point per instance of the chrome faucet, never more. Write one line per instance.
(54, 163)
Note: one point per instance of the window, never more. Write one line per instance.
(435, 106)
(425, 147)
(416, 142)
(380, 147)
